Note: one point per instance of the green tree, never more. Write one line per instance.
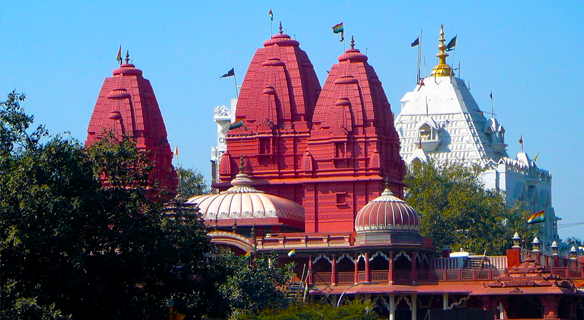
(456, 210)
(70, 245)
(356, 310)
(191, 183)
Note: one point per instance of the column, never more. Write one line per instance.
(414, 308)
(445, 301)
(367, 268)
(390, 270)
(334, 270)
(413, 274)
(310, 274)
(391, 306)
(356, 261)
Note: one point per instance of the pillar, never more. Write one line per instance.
(390, 270)
(356, 261)
(445, 301)
(391, 306)
(310, 275)
(367, 268)
(414, 297)
(334, 270)
(413, 273)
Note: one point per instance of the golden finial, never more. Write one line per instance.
(127, 56)
(442, 69)
(352, 42)
(281, 32)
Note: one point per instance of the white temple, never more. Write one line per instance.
(440, 120)
(223, 118)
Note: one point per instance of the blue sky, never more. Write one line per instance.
(529, 54)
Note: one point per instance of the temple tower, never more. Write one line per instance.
(353, 146)
(275, 107)
(127, 106)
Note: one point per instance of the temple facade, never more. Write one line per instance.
(315, 175)
(440, 120)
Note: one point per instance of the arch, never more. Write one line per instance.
(230, 239)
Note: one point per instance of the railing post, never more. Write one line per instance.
(474, 274)
(310, 272)
(459, 274)
(444, 274)
(334, 271)
(413, 270)
(490, 274)
(356, 261)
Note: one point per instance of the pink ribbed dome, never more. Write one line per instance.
(243, 201)
(387, 213)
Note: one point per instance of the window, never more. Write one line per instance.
(339, 149)
(265, 145)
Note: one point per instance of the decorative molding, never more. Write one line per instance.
(461, 302)
(345, 256)
(322, 256)
(402, 253)
(379, 253)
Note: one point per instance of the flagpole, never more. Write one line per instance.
(235, 81)
(420, 56)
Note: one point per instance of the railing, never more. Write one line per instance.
(346, 277)
(568, 273)
(379, 275)
(321, 278)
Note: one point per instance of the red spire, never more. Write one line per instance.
(127, 106)
(353, 143)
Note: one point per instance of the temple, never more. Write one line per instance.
(315, 175)
(440, 120)
(127, 107)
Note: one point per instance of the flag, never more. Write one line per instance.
(491, 95)
(176, 151)
(229, 73)
(247, 255)
(537, 217)
(338, 28)
(119, 57)
(236, 124)
(535, 158)
(292, 253)
(271, 15)
(521, 140)
(452, 44)
(416, 42)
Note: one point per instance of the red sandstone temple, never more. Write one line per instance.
(317, 172)
(127, 107)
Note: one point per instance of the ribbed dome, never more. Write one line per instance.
(387, 213)
(243, 201)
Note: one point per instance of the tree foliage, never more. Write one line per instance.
(191, 183)
(71, 245)
(456, 210)
(356, 310)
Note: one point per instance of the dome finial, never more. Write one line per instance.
(241, 164)
(442, 69)
(127, 56)
(281, 32)
(352, 42)
(387, 191)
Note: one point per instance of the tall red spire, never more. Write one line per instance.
(277, 101)
(353, 146)
(127, 106)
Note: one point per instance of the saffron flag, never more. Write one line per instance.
(452, 44)
(537, 217)
(176, 150)
(338, 28)
(271, 15)
(247, 255)
(416, 42)
(119, 57)
(236, 124)
(292, 253)
(535, 158)
(229, 73)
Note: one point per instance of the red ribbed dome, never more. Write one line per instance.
(387, 213)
